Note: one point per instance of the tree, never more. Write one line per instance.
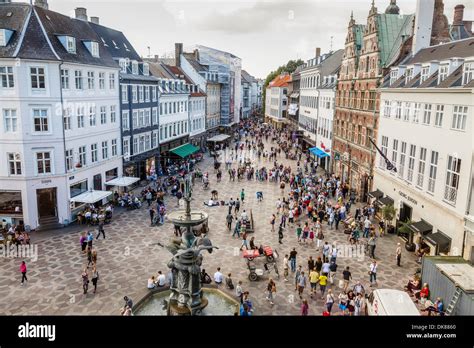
(388, 213)
(289, 67)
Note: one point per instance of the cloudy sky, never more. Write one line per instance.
(264, 33)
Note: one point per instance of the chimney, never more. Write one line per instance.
(468, 26)
(178, 51)
(42, 4)
(81, 13)
(318, 51)
(458, 15)
(423, 25)
(196, 54)
(95, 20)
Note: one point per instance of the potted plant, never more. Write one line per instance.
(409, 245)
(388, 213)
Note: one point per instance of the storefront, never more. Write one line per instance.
(322, 157)
(141, 166)
(11, 209)
(166, 158)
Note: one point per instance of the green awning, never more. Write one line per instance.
(185, 150)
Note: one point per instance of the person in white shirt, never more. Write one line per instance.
(161, 280)
(218, 277)
(373, 273)
(151, 283)
(244, 216)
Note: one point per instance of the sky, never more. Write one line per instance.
(263, 33)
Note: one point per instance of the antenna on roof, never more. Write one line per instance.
(149, 51)
(330, 47)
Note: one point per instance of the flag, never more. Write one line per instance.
(390, 165)
(322, 146)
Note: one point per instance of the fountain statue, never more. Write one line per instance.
(186, 294)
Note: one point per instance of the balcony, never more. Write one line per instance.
(431, 185)
(419, 180)
(450, 194)
(410, 175)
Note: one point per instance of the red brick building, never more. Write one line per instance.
(370, 50)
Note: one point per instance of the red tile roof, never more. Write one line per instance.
(280, 81)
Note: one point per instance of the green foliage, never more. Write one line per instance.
(289, 67)
(388, 212)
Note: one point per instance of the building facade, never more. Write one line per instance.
(59, 100)
(138, 104)
(369, 51)
(427, 133)
(276, 103)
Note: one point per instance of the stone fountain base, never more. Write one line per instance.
(174, 309)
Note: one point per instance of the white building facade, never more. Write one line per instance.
(276, 100)
(427, 132)
(60, 131)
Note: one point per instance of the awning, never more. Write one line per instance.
(91, 196)
(318, 152)
(441, 240)
(421, 227)
(375, 194)
(185, 150)
(123, 181)
(385, 201)
(219, 137)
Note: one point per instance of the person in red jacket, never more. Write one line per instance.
(23, 272)
(424, 293)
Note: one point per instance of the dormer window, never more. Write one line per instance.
(115, 44)
(5, 35)
(425, 73)
(146, 69)
(134, 67)
(123, 65)
(442, 73)
(103, 41)
(468, 73)
(393, 76)
(93, 48)
(409, 75)
(124, 45)
(68, 42)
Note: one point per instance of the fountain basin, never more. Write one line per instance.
(218, 303)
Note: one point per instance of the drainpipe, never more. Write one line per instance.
(158, 158)
(64, 133)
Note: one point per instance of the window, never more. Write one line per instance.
(95, 49)
(94, 156)
(424, 74)
(82, 156)
(147, 142)
(92, 120)
(442, 73)
(123, 65)
(406, 111)
(10, 121)
(67, 119)
(421, 167)
(140, 94)
(112, 81)
(384, 148)
(147, 120)
(135, 67)
(153, 93)
(125, 120)
(113, 114)
(105, 149)
(398, 110)
(141, 119)
(427, 114)
(43, 162)
(124, 89)
(459, 117)
(135, 145)
(416, 112)
(90, 80)
(80, 117)
(468, 72)
(101, 80)
(69, 159)
(393, 76)
(37, 78)
(154, 140)
(40, 120)
(394, 151)
(64, 79)
(126, 147)
(433, 171)
(135, 119)
(154, 116)
(103, 115)
(78, 79)
(452, 179)
(411, 162)
(401, 165)
(14, 164)
(141, 144)
(134, 94)
(147, 93)
(439, 115)
(408, 75)
(146, 69)
(114, 147)
(387, 108)
(6, 77)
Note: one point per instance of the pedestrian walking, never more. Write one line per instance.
(272, 222)
(398, 253)
(271, 290)
(299, 231)
(244, 242)
(343, 301)
(372, 244)
(346, 276)
(229, 220)
(313, 280)
(95, 278)
(323, 282)
(100, 229)
(242, 196)
(236, 229)
(85, 281)
(90, 239)
(293, 254)
(83, 242)
(285, 267)
(373, 273)
(301, 284)
(297, 275)
(280, 234)
(237, 207)
(89, 256)
(152, 215)
(304, 307)
(23, 272)
(329, 301)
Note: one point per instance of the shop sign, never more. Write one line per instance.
(408, 198)
(47, 181)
